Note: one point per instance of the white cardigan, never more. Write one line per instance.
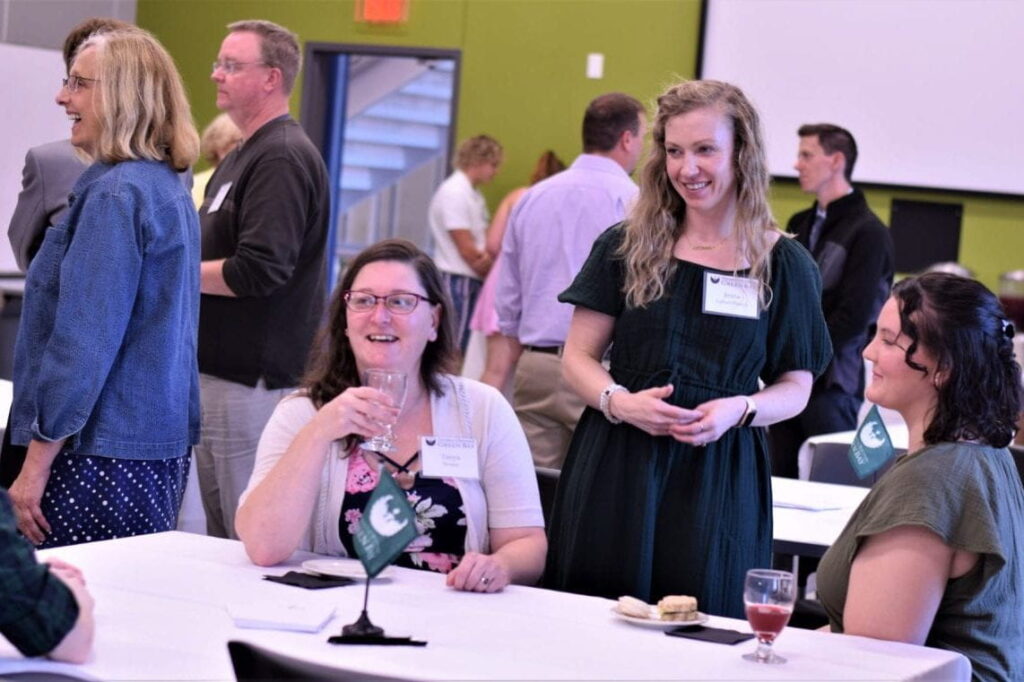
(506, 495)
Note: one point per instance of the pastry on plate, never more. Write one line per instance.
(678, 608)
(631, 606)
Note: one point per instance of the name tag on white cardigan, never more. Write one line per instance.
(449, 457)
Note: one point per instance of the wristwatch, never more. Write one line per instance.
(748, 415)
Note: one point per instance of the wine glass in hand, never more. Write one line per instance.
(392, 384)
(769, 597)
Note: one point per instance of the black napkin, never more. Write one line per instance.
(706, 634)
(380, 641)
(309, 581)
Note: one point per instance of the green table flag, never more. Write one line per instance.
(387, 527)
(872, 447)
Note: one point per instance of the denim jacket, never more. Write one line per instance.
(106, 350)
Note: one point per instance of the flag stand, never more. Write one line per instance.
(363, 627)
(386, 528)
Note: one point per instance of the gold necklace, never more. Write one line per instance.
(705, 247)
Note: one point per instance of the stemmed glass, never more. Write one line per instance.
(393, 384)
(769, 597)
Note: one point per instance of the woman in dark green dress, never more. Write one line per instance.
(667, 487)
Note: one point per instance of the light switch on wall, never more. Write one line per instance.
(595, 65)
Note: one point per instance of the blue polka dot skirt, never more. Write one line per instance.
(91, 498)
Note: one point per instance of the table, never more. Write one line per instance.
(799, 528)
(161, 616)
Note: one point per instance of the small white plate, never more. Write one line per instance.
(657, 623)
(341, 568)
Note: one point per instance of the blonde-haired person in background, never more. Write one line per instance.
(106, 386)
(667, 485)
(458, 220)
(218, 140)
(502, 353)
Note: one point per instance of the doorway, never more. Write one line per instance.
(384, 119)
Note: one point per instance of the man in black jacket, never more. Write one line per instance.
(854, 252)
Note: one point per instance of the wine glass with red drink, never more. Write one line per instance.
(769, 597)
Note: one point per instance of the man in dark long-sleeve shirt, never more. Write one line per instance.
(44, 609)
(264, 224)
(854, 252)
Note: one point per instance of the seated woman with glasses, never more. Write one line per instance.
(934, 554)
(106, 388)
(311, 479)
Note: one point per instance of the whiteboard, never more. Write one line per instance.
(29, 82)
(933, 91)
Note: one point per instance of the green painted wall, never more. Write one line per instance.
(523, 79)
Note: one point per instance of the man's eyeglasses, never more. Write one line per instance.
(229, 67)
(74, 83)
(399, 304)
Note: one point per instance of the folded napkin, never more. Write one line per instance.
(380, 641)
(309, 581)
(706, 634)
(270, 615)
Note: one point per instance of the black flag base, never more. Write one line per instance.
(362, 628)
(364, 632)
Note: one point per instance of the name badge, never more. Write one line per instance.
(452, 457)
(730, 296)
(218, 199)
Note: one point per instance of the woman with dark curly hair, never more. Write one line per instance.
(933, 555)
(311, 480)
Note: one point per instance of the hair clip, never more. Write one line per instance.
(1008, 330)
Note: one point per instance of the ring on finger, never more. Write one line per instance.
(485, 581)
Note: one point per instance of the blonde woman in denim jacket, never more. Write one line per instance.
(105, 380)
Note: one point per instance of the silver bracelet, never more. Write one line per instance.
(605, 402)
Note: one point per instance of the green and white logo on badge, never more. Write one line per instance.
(872, 447)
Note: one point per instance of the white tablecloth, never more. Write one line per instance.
(161, 616)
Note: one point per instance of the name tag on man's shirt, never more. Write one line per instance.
(222, 192)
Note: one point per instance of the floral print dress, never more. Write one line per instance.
(440, 517)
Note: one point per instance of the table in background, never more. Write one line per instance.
(808, 531)
(161, 615)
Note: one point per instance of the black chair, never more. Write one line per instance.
(255, 664)
(547, 482)
(830, 463)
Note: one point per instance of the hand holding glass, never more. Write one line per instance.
(769, 597)
(392, 384)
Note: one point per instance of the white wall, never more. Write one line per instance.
(932, 90)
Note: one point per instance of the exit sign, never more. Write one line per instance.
(382, 11)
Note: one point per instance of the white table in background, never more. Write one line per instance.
(161, 616)
(808, 516)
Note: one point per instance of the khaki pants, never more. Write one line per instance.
(547, 408)
(233, 419)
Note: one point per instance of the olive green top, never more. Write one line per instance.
(970, 496)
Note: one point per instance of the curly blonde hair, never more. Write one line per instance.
(478, 150)
(657, 220)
